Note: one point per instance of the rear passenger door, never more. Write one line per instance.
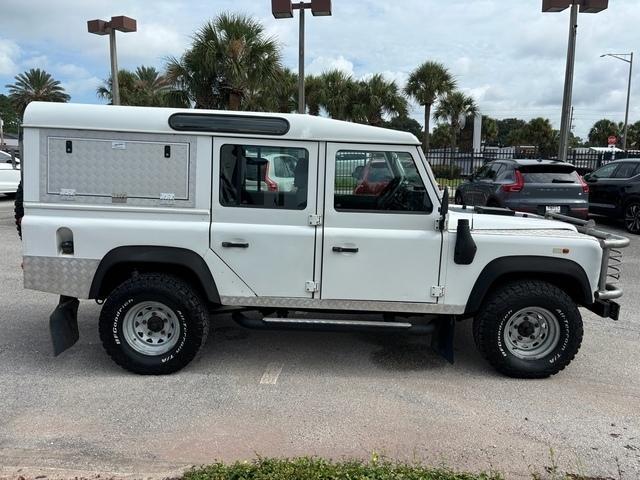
(378, 245)
(260, 213)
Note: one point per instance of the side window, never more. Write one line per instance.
(506, 174)
(495, 170)
(379, 181)
(626, 170)
(483, 172)
(606, 171)
(257, 176)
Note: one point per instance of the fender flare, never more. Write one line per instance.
(530, 265)
(149, 255)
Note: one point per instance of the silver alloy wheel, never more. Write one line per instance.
(632, 218)
(531, 333)
(151, 328)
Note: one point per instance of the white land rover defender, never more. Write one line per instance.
(171, 216)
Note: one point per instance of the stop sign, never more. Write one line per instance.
(612, 140)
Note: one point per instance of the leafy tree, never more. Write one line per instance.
(405, 124)
(601, 131)
(633, 142)
(9, 115)
(285, 91)
(441, 136)
(428, 82)
(489, 130)
(195, 82)
(509, 131)
(35, 85)
(454, 108)
(540, 133)
(143, 87)
(375, 98)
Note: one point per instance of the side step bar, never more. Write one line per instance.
(331, 325)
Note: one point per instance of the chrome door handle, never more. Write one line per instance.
(235, 245)
(345, 249)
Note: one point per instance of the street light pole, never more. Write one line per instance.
(103, 27)
(284, 9)
(620, 56)
(585, 6)
(565, 122)
(113, 54)
(302, 106)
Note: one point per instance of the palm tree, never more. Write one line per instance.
(314, 93)
(338, 94)
(455, 108)
(285, 91)
(195, 82)
(236, 48)
(144, 87)
(377, 97)
(426, 83)
(35, 85)
(601, 131)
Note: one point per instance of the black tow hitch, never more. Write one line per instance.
(63, 324)
(605, 309)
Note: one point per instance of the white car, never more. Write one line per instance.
(150, 213)
(9, 174)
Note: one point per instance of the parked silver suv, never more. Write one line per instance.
(533, 186)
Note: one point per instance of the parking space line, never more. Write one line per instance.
(271, 374)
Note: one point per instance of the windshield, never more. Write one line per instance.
(549, 174)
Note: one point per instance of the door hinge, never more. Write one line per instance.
(315, 220)
(311, 286)
(437, 291)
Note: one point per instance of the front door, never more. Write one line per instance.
(380, 242)
(263, 194)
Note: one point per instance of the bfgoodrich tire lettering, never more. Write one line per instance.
(173, 299)
(504, 305)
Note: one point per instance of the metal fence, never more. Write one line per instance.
(453, 167)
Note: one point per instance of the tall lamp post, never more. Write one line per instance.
(585, 6)
(620, 56)
(284, 9)
(103, 27)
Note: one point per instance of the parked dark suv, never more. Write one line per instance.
(534, 186)
(614, 191)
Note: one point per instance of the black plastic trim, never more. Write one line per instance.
(223, 123)
(524, 265)
(142, 254)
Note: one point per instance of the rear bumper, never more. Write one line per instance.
(579, 211)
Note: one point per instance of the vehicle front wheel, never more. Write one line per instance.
(528, 329)
(153, 324)
(632, 217)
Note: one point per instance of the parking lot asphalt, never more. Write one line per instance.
(287, 394)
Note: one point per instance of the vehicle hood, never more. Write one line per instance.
(519, 221)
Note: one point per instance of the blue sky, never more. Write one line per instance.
(506, 53)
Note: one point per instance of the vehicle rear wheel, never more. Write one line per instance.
(492, 203)
(18, 209)
(458, 199)
(632, 217)
(153, 324)
(528, 329)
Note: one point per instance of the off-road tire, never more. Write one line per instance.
(490, 322)
(18, 209)
(171, 291)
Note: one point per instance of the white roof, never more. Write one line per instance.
(156, 120)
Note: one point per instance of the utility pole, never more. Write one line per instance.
(568, 84)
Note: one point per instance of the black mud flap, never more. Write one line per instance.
(442, 338)
(63, 324)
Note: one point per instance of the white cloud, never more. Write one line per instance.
(322, 64)
(9, 52)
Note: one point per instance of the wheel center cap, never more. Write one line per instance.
(155, 323)
(526, 329)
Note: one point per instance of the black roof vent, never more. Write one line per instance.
(221, 123)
